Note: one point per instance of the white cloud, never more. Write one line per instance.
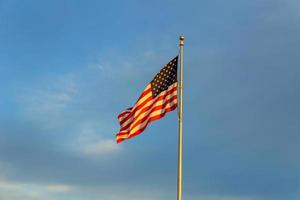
(124, 192)
(101, 147)
(59, 188)
(36, 191)
(89, 142)
(46, 102)
(31, 191)
(115, 63)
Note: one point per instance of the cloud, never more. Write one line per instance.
(59, 188)
(35, 191)
(46, 103)
(54, 97)
(101, 147)
(31, 191)
(89, 142)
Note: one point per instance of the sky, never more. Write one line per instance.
(68, 68)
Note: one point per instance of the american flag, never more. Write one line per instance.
(158, 98)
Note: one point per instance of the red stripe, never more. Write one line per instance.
(134, 123)
(160, 107)
(145, 92)
(156, 117)
(136, 107)
(144, 109)
(144, 102)
(128, 110)
(150, 120)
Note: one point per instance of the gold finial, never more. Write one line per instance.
(181, 38)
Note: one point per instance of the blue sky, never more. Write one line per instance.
(67, 68)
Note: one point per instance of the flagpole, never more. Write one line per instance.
(179, 180)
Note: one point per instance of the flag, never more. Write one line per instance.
(158, 98)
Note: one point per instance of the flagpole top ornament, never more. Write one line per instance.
(181, 39)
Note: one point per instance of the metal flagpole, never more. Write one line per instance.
(179, 183)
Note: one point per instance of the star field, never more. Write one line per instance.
(166, 77)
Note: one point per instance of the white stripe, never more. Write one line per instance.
(146, 97)
(153, 114)
(149, 94)
(145, 113)
(142, 125)
(160, 102)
